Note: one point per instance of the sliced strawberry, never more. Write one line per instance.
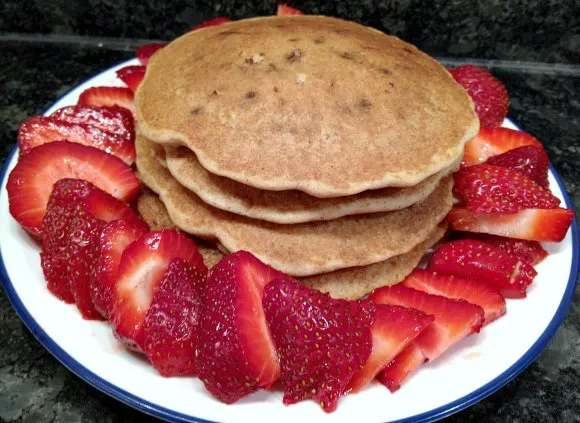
(31, 180)
(236, 354)
(529, 251)
(488, 93)
(471, 259)
(171, 321)
(42, 130)
(401, 367)
(454, 320)
(285, 10)
(76, 213)
(322, 342)
(487, 188)
(141, 269)
(393, 329)
(113, 240)
(108, 97)
(212, 22)
(493, 141)
(531, 161)
(529, 224)
(132, 76)
(473, 291)
(145, 52)
(115, 120)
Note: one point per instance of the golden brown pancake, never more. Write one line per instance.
(309, 103)
(302, 249)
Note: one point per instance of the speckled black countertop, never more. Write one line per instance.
(35, 387)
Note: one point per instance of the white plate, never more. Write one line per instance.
(469, 372)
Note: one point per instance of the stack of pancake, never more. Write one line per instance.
(321, 146)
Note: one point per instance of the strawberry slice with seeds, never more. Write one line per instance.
(401, 367)
(145, 52)
(115, 120)
(471, 259)
(76, 213)
(529, 251)
(171, 321)
(42, 130)
(532, 162)
(132, 76)
(113, 240)
(393, 329)
(488, 188)
(285, 10)
(528, 224)
(30, 182)
(212, 22)
(473, 291)
(109, 97)
(322, 342)
(141, 270)
(236, 354)
(493, 141)
(454, 320)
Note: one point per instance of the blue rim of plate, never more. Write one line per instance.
(164, 413)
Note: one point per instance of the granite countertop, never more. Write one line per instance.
(35, 387)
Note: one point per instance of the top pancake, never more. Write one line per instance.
(310, 103)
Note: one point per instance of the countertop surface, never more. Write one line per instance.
(35, 387)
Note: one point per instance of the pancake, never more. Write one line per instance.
(351, 283)
(287, 207)
(308, 103)
(303, 249)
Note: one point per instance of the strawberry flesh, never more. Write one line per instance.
(471, 259)
(488, 188)
(30, 182)
(170, 335)
(528, 224)
(109, 97)
(236, 354)
(131, 76)
(322, 342)
(473, 291)
(76, 214)
(141, 270)
(393, 329)
(212, 22)
(145, 52)
(113, 240)
(285, 10)
(530, 161)
(115, 120)
(401, 367)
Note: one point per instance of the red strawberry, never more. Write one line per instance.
(322, 342)
(529, 224)
(487, 188)
(488, 93)
(493, 141)
(171, 321)
(529, 251)
(141, 270)
(30, 182)
(212, 22)
(42, 130)
(401, 367)
(393, 329)
(145, 52)
(115, 120)
(471, 259)
(285, 10)
(531, 161)
(108, 96)
(473, 291)
(454, 320)
(131, 76)
(76, 213)
(113, 240)
(236, 354)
